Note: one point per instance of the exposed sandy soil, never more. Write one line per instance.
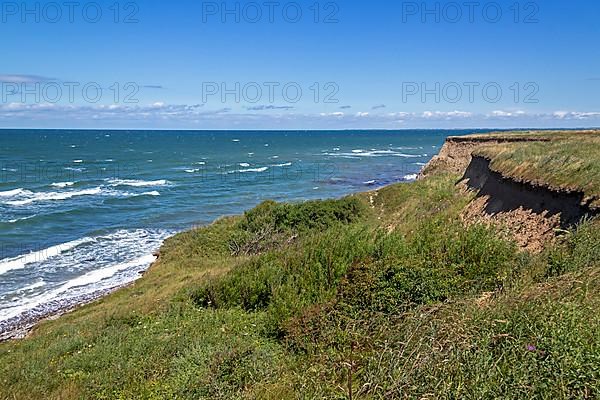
(531, 231)
(532, 214)
(455, 155)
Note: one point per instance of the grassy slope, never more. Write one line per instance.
(384, 295)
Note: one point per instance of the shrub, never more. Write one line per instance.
(271, 224)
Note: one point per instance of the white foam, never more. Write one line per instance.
(77, 161)
(54, 196)
(262, 169)
(33, 286)
(191, 171)
(410, 177)
(63, 184)
(245, 165)
(20, 262)
(14, 221)
(372, 153)
(289, 164)
(80, 269)
(92, 279)
(137, 183)
(14, 193)
(410, 155)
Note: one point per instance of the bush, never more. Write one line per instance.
(270, 224)
(283, 281)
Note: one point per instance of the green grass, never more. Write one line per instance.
(569, 161)
(380, 295)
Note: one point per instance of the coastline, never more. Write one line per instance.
(21, 326)
(251, 304)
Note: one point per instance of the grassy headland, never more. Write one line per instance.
(383, 294)
(567, 162)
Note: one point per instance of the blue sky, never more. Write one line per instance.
(300, 65)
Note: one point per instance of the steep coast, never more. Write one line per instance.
(393, 293)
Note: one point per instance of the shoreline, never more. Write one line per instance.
(21, 326)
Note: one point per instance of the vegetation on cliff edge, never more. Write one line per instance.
(382, 294)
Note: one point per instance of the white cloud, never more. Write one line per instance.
(197, 116)
(446, 114)
(20, 78)
(501, 113)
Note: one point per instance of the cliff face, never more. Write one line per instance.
(530, 213)
(455, 155)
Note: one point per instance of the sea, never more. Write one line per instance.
(83, 211)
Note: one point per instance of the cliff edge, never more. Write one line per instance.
(531, 208)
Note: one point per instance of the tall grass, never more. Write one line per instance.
(570, 162)
(380, 295)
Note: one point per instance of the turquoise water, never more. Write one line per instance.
(81, 212)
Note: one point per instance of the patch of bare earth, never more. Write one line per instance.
(531, 231)
(454, 157)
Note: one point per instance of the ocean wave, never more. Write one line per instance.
(14, 221)
(63, 185)
(31, 287)
(261, 169)
(152, 193)
(88, 283)
(246, 171)
(23, 261)
(77, 270)
(14, 193)
(372, 153)
(410, 177)
(288, 164)
(136, 182)
(245, 165)
(53, 196)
